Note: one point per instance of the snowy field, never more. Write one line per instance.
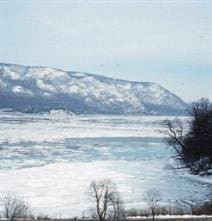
(52, 158)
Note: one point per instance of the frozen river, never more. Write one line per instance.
(50, 159)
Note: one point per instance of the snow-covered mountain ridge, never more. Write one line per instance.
(25, 88)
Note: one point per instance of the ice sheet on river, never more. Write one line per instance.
(52, 158)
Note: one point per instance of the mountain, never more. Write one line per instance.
(34, 89)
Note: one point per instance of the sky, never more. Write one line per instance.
(167, 42)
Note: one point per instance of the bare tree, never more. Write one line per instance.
(14, 207)
(152, 198)
(118, 211)
(175, 134)
(106, 198)
(188, 204)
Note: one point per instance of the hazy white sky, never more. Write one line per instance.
(168, 42)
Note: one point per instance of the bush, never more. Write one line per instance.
(14, 207)
(205, 208)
